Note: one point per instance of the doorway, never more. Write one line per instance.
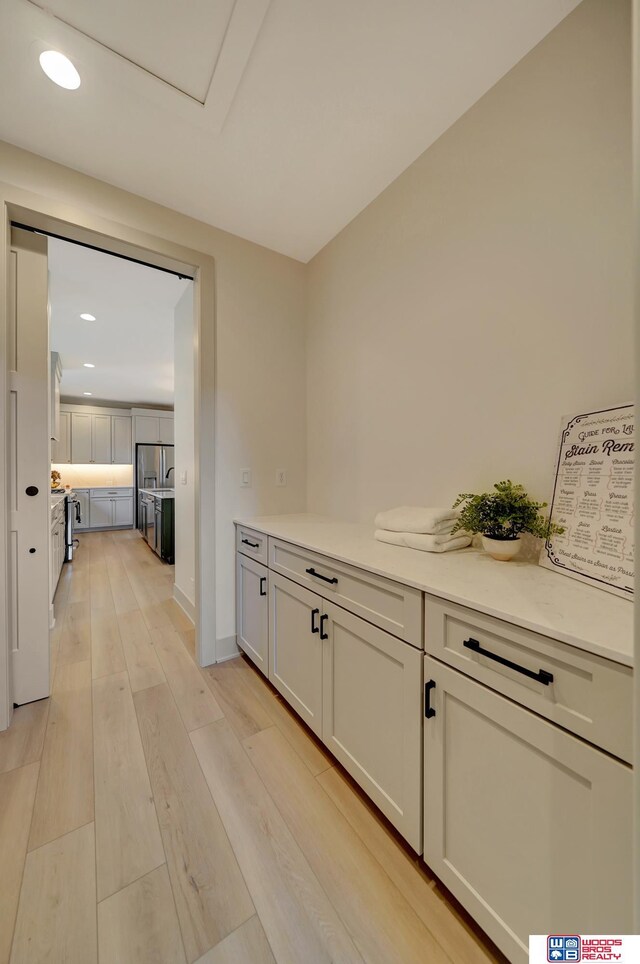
(155, 253)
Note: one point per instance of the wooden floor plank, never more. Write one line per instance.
(56, 921)
(299, 920)
(315, 758)
(242, 708)
(383, 925)
(100, 588)
(128, 843)
(107, 654)
(22, 743)
(124, 599)
(247, 945)
(210, 893)
(75, 639)
(138, 925)
(17, 793)
(141, 658)
(460, 943)
(195, 701)
(64, 799)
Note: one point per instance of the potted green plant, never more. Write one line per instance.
(501, 516)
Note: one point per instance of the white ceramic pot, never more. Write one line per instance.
(501, 549)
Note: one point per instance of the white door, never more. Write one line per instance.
(101, 439)
(61, 449)
(29, 440)
(101, 512)
(527, 825)
(121, 440)
(253, 611)
(372, 715)
(123, 512)
(146, 429)
(165, 431)
(81, 438)
(295, 649)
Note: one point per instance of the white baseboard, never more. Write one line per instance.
(185, 603)
(226, 648)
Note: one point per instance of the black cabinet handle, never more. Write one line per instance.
(542, 676)
(314, 626)
(263, 583)
(318, 575)
(323, 635)
(428, 709)
(254, 545)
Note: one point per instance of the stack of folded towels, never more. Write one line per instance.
(421, 528)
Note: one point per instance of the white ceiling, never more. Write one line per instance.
(131, 341)
(278, 120)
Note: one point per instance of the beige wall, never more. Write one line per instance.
(486, 292)
(260, 344)
(184, 434)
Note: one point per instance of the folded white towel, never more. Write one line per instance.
(408, 518)
(421, 540)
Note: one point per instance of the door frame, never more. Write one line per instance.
(79, 224)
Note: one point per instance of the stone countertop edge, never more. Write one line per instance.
(522, 593)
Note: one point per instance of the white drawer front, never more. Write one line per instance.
(588, 695)
(115, 493)
(390, 605)
(252, 543)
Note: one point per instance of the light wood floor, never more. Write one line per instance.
(154, 812)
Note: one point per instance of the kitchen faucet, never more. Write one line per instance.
(170, 469)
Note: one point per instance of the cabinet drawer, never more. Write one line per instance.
(118, 493)
(395, 608)
(251, 543)
(588, 695)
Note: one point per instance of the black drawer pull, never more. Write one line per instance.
(323, 635)
(428, 709)
(314, 626)
(263, 584)
(542, 676)
(318, 575)
(254, 545)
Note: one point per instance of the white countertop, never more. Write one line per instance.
(57, 497)
(518, 592)
(159, 493)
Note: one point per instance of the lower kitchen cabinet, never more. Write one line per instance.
(252, 617)
(527, 825)
(295, 648)
(110, 508)
(372, 714)
(83, 497)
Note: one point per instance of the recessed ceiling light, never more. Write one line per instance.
(87, 317)
(59, 69)
(87, 393)
(88, 364)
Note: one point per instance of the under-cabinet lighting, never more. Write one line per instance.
(59, 69)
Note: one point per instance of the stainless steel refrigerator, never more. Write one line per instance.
(154, 464)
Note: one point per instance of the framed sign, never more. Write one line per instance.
(593, 500)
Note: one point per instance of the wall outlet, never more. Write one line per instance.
(245, 479)
(281, 477)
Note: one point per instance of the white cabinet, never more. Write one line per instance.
(61, 447)
(372, 714)
(121, 442)
(122, 512)
(101, 513)
(56, 545)
(527, 825)
(55, 377)
(153, 429)
(101, 439)
(82, 495)
(295, 648)
(81, 450)
(111, 507)
(252, 610)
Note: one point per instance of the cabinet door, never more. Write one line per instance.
(295, 650)
(83, 498)
(121, 452)
(372, 715)
(252, 610)
(101, 439)
(165, 431)
(146, 429)
(528, 826)
(101, 512)
(123, 512)
(81, 438)
(61, 448)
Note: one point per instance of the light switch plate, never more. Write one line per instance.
(183, 478)
(245, 479)
(281, 477)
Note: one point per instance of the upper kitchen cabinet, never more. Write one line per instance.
(81, 438)
(121, 441)
(54, 405)
(61, 446)
(154, 429)
(94, 436)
